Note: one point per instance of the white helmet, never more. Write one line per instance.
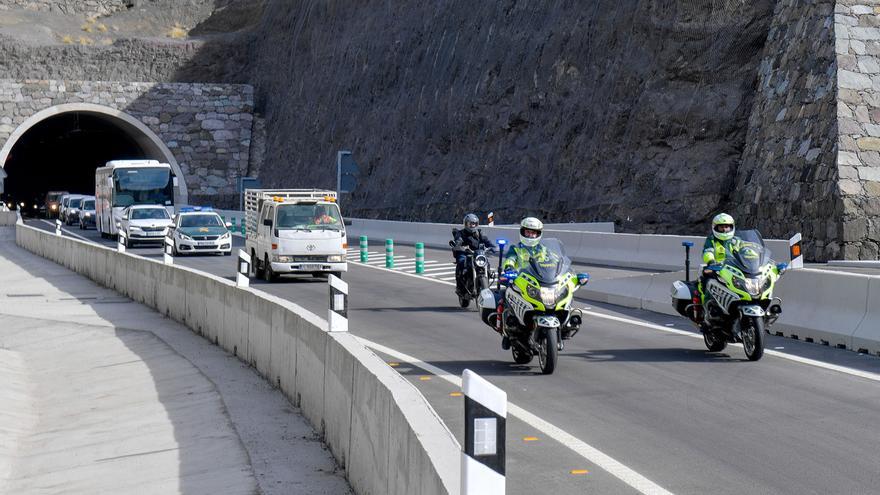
(531, 225)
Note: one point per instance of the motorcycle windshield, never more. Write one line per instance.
(547, 264)
(750, 254)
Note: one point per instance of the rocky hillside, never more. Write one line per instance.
(632, 111)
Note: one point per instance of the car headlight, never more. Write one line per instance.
(54, 207)
(225, 236)
(88, 215)
(133, 228)
(184, 237)
(481, 261)
(335, 258)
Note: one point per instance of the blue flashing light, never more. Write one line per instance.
(687, 244)
(501, 242)
(190, 209)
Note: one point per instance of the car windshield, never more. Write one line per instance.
(88, 204)
(75, 202)
(548, 262)
(206, 220)
(149, 214)
(308, 217)
(749, 253)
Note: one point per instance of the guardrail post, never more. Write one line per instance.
(420, 257)
(365, 245)
(795, 253)
(483, 457)
(244, 269)
(168, 252)
(337, 316)
(57, 227)
(120, 241)
(389, 253)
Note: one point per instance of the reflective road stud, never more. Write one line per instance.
(244, 269)
(389, 253)
(483, 458)
(168, 254)
(420, 257)
(337, 316)
(57, 227)
(365, 245)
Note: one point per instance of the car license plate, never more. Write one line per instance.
(310, 267)
(155, 234)
(205, 243)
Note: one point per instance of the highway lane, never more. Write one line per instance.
(655, 401)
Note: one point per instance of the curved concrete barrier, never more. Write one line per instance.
(376, 423)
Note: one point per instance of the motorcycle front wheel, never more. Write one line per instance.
(548, 351)
(753, 337)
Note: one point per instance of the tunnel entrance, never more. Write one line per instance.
(60, 152)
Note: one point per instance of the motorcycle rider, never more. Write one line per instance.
(518, 256)
(719, 245)
(470, 237)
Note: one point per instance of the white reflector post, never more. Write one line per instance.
(244, 269)
(57, 227)
(169, 252)
(120, 244)
(796, 251)
(337, 316)
(485, 417)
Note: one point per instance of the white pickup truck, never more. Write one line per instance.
(294, 231)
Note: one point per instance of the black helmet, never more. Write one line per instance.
(471, 222)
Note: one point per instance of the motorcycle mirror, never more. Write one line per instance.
(781, 267)
(583, 278)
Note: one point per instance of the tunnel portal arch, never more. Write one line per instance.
(148, 141)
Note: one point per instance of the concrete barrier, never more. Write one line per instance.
(376, 423)
(867, 335)
(8, 218)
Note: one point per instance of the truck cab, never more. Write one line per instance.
(295, 232)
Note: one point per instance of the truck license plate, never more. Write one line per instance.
(310, 267)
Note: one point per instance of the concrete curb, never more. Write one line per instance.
(376, 423)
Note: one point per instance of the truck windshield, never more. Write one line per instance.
(149, 214)
(143, 186)
(206, 220)
(309, 217)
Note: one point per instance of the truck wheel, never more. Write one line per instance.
(268, 274)
(255, 265)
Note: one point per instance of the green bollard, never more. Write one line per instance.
(389, 253)
(243, 232)
(420, 257)
(364, 249)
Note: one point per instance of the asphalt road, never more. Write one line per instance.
(635, 396)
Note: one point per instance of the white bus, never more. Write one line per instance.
(124, 183)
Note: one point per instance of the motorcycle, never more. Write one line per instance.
(532, 308)
(737, 304)
(478, 277)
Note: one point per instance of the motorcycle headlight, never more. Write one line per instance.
(334, 258)
(751, 285)
(533, 292)
(548, 295)
(481, 261)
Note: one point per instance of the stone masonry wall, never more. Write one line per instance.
(858, 114)
(207, 127)
(87, 7)
(787, 179)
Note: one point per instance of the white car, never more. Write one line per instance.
(144, 224)
(200, 230)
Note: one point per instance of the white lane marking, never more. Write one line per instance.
(448, 278)
(64, 229)
(790, 357)
(440, 274)
(437, 268)
(578, 446)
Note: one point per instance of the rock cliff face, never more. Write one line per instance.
(632, 111)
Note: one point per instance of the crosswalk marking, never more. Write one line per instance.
(440, 274)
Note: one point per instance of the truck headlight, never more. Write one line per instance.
(277, 258)
(335, 258)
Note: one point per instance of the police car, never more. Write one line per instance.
(198, 229)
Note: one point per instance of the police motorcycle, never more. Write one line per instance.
(737, 304)
(531, 308)
(479, 275)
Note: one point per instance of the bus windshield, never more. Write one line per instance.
(143, 186)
